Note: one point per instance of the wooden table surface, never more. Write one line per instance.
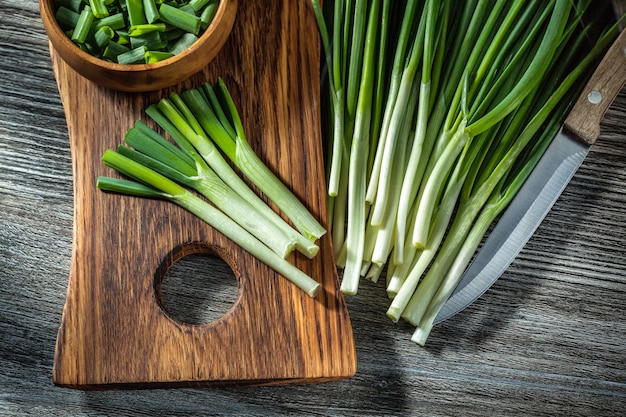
(548, 339)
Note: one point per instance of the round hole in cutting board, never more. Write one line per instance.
(198, 288)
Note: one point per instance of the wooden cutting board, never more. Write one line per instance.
(113, 332)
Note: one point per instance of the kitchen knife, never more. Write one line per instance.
(545, 184)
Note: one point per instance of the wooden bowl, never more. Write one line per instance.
(142, 77)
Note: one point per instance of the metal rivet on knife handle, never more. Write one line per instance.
(594, 97)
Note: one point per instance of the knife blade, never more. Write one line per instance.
(545, 184)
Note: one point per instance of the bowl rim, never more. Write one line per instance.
(47, 11)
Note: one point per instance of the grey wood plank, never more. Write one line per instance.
(548, 339)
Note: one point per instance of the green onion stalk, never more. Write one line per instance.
(382, 235)
(468, 129)
(401, 49)
(355, 239)
(470, 205)
(191, 118)
(147, 183)
(548, 117)
(398, 110)
(335, 88)
(214, 114)
(416, 164)
(200, 122)
(453, 126)
(200, 177)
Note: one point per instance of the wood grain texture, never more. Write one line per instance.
(548, 339)
(114, 332)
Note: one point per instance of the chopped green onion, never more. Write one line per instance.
(135, 23)
(139, 30)
(172, 34)
(208, 13)
(82, 26)
(136, 16)
(115, 21)
(103, 36)
(134, 56)
(113, 50)
(73, 5)
(99, 8)
(152, 57)
(66, 17)
(184, 42)
(197, 5)
(180, 19)
(151, 11)
(122, 37)
(187, 9)
(151, 40)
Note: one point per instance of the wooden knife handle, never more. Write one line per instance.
(602, 88)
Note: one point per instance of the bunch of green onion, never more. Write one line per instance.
(193, 172)
(438, 111)
(135, 31)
